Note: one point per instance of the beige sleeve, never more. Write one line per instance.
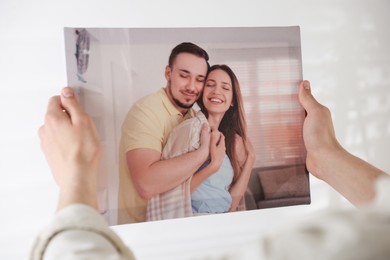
(336, 234)
(79, 232)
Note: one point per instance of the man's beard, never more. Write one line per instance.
(178, 102)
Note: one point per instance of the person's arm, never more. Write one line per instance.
(328, 160)
(152, 175)
(72, 149)
(237, 190)
(217, 153)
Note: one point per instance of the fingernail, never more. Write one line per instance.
(306, 85)
(67, 93)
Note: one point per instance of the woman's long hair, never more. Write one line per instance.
(233, 122)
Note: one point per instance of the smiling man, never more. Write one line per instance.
(142, 173)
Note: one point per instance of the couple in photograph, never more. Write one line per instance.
(175, 162)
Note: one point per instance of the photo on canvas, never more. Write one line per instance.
(113, 68)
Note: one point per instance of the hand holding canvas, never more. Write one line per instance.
(328, 160)
(71, 146)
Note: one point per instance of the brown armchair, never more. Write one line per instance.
(277, 187)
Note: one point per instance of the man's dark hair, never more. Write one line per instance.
(188, 47)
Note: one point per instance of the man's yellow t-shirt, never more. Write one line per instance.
(147, 125)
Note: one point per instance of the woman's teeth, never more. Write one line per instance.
(216, 100)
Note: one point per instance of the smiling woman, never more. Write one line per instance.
(222, 104)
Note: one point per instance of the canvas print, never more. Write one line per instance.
(193, 121)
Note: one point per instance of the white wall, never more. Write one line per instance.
(346, 55)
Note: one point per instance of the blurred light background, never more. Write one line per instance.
(345, 52)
